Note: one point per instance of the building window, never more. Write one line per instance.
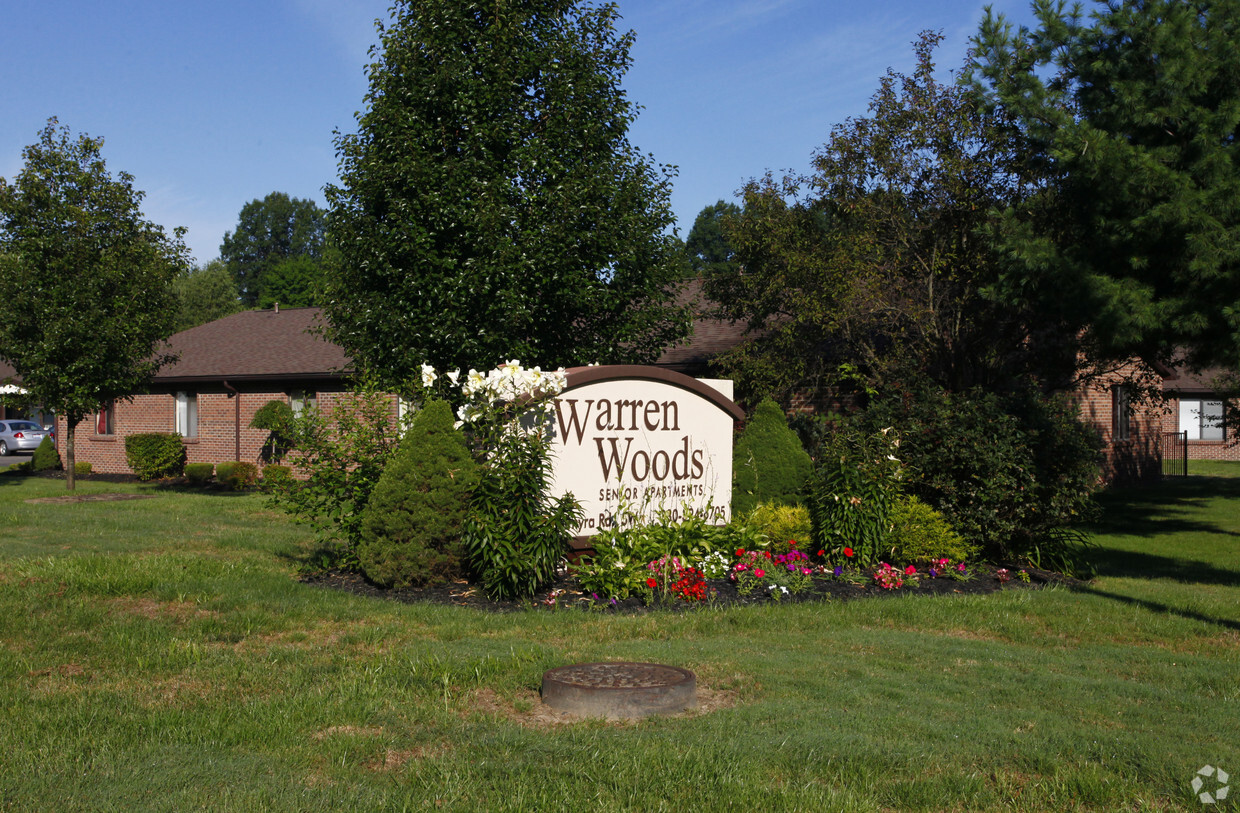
(186, 414)
(1121, 413)
(301, 400)
(1202, 419)
(105, 421)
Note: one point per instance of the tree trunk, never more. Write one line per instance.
(70, 429)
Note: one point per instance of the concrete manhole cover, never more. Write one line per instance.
(619, 690)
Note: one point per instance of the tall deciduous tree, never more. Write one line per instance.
(707, 246)
(876, 263)
(1133, 116)
(85, 280)
(204, 294)
(491, 205)
(269, 232)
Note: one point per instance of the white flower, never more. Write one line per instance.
(428, 375)
(453, 376)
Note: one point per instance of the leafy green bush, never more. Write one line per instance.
(46, 457)
(199, 473)
(277, 477)
(1010, 473)
(782, 522)
(921, 534)
(411, 529)
(81, 468)
(515, 535)
(237, 475)
(153, 455)
(857, 483)
(343, 454)
(768, 462)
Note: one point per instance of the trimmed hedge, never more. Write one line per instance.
(154, 455)
(237, 475)
(199, 473)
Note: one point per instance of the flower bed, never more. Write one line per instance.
(567, 595)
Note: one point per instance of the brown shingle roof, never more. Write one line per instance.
(256, 345)
(710, 336)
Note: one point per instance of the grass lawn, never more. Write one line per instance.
(160, 654)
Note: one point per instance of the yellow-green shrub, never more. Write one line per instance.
(781, 523)
(921, 534)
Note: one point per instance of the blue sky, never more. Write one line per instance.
(212, 104)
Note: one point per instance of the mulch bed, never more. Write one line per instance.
(72, 498)
(462, 594)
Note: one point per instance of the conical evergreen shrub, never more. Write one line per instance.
(46, 456)
(411, 528)
(768, 462)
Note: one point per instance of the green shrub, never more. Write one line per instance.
(199, 473)
(921, 534)
(857, 483)
(237, 475)
(277, 477)
(342, 455)
(81, 468)
(768, 462)
(781, 523)
(411, 529)
(1009, 473)
(515, 535)
(46, 457)
(154, 455)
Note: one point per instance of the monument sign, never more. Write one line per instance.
(631, 442)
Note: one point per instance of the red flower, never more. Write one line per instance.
(792, 543)
(740, 551)
(652, 583)
(759, 572)
(822, 553)
(848, 551)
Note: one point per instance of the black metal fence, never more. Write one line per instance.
(1175, 454)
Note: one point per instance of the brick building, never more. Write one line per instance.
(226, 371)
(1197, 407)
(1129, 426)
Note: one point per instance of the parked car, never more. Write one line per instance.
(22, 436)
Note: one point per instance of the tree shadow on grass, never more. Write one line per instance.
(1158, 607)
(1165, 508)
(1126, 564)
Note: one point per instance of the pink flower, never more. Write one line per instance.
(759, 572)
(910, 571)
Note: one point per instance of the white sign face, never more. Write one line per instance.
(632, 442)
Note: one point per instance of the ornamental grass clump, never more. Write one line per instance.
(411, 528)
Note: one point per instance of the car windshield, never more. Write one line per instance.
(25, 426)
